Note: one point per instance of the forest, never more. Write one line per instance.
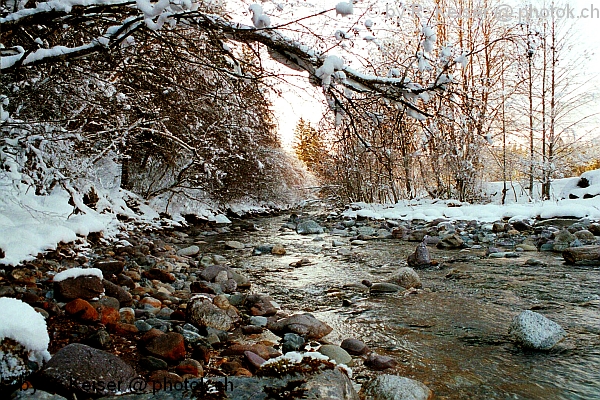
(173, 100)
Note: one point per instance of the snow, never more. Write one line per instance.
(575, 186)
(344, 8)
(20, 322)
(259, 18)
(330, 65)
(429, 210)
(77, 272)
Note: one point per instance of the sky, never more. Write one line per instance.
(584, 14)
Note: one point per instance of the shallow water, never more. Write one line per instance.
(452, 335)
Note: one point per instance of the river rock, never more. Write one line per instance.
(384, 287)
(261, 305)
(393, 387)
(254, 359)
(309, 227)
(211, 272)
(379, 362)
(110, 267)
(562, 240)
(81, 309)
(585, 236)
(532, 330)
(420, 258)
(305, 325)
(79, 368)
(234, 245)
(201, 312)
(453, 241)
(189, 251)
(81, 287)
(354, 346)
(586, 255)
(278, 250)
(159, 274)
(292, 342)
(169, 346)
(337, 354)
(594, 229)
(116, 291)
(521, 226)
(407, 278)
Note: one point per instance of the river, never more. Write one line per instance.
(453, 334)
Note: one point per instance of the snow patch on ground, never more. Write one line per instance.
(77, 272)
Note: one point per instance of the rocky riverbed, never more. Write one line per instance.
(185, 305)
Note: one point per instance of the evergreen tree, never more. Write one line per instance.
(309, 146)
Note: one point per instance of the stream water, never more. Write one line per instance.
(453, 334)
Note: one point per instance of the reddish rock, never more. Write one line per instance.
(169, 347)
(260, 304)
(242, 372)
(109, 315)
(151, 334)
(151, 301)
(354, 346)
(110, 267)
(123, 329)
(239, 349)
(254, 359)
(81, 309)
(189, 367)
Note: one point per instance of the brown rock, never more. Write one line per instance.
(109, 315)
(81, 309)
(110, 267)
(118, 293)
(278, 250)
(169, 347)
(123, 329)
(379, 363)
(151, 301)
(159, 274)
(261, 304)
(354, 346)
(239, 349)
(189, 367)
(305, 325)
(82, 287)
(160, 377)
(254, 359)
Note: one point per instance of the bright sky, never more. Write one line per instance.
(585, 14)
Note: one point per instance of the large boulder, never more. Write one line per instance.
(393, 387)
(85, 371)
(534, 331)
(305, 325)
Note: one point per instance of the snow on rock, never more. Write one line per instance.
(534, 331)
(586, 186)
(76, 272)
(344, 8)
(23, 340)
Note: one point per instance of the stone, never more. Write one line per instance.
(407, 278)
(278, 250)
(76, 368)
(169, 347)
(261, 305)
(164, 379)
(585, 236)
(34, 394)
(234, 245)
(393, 387)
(594, 229)
(262, 249)
(127, 315)
(305, 325)
(292, 342)
(151, 301)
(81, 309)
(239, 349)
(189, 251)
(82, 287)
(153, 363)
(15, 365)
(521, 226)
(190, 367)
(116, 291)
(309, 227)
(100, 339)
(384, 287)
(258, 320)
(211, 272)
(336, 353)
(417, 235)
(160, 275)
(201, 312)
(254, 359)
(379, 362)
(534, 331)
(354, 346)
(453, 241)
(110, 267)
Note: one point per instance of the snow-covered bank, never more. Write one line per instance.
(429, 210)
